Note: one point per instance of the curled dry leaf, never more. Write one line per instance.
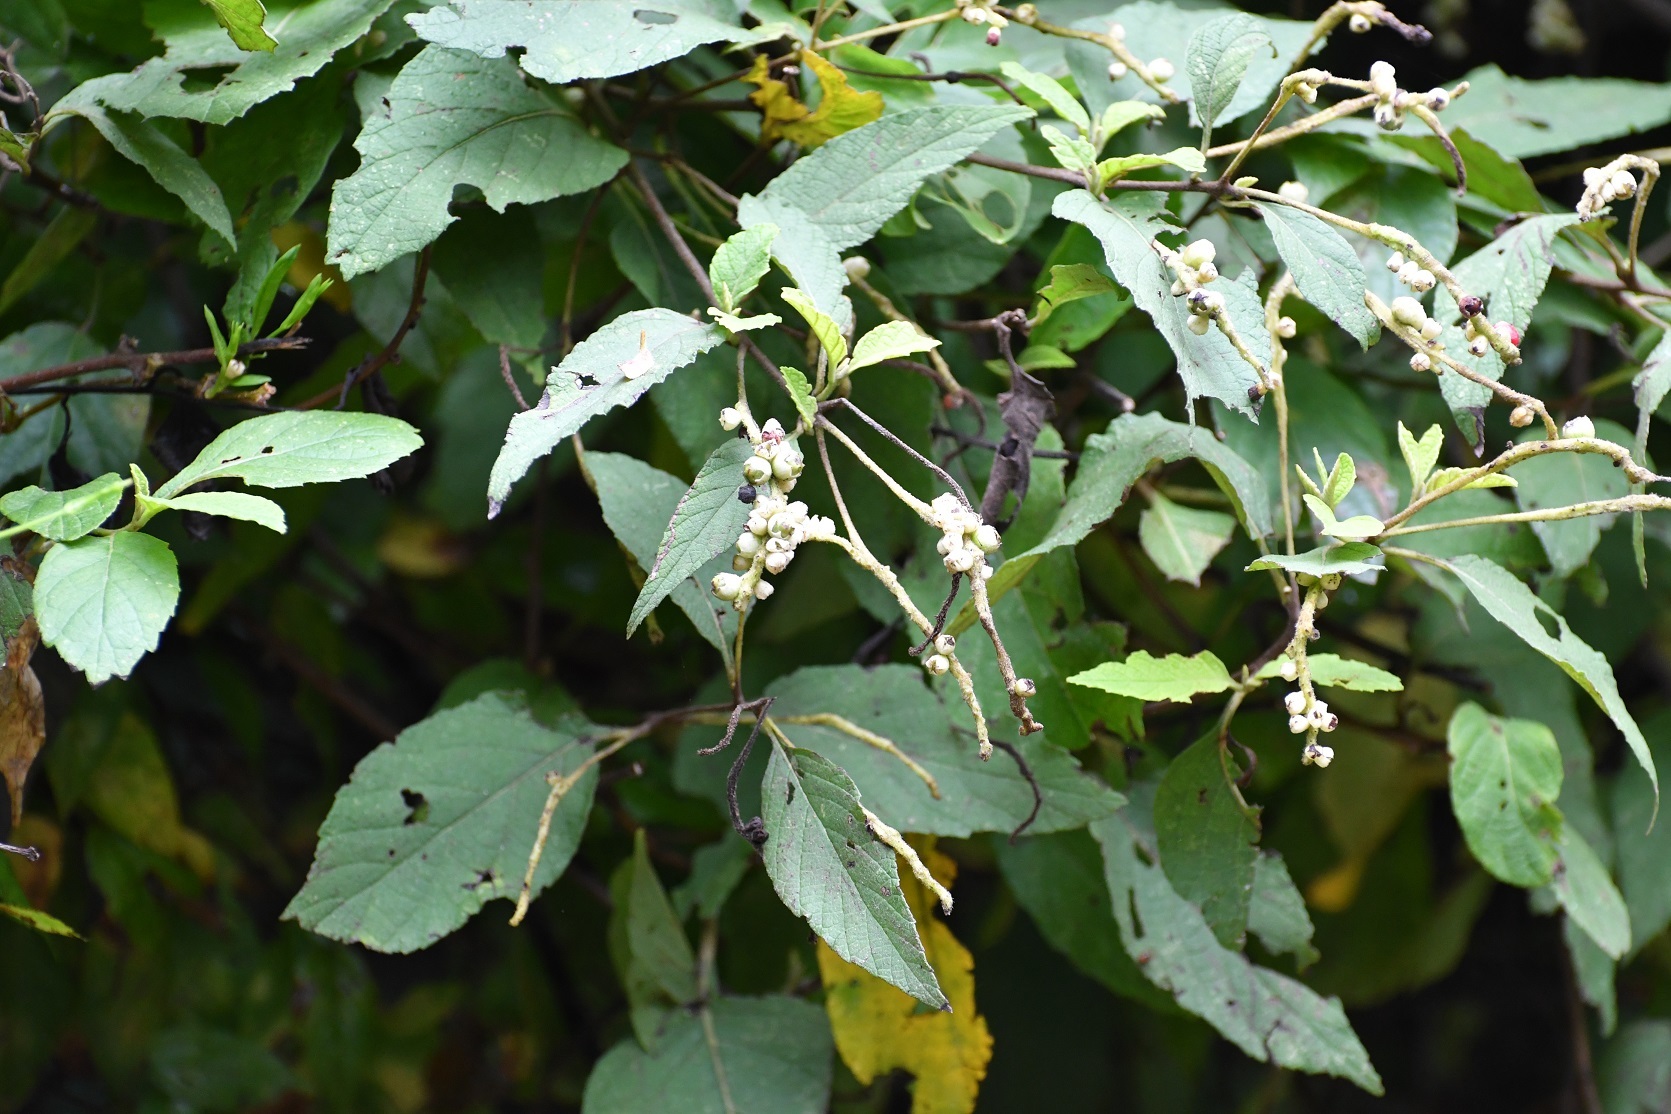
(22, 714)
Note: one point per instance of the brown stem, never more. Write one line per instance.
(142, 363)
(390, 352)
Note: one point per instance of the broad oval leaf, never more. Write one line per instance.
(102, 603)
(890, 340)
(64, 515)
(456, 119)
(1325, 268)
(1218, 58)
(1174, 677)
(829, 869)
(437, 823)
(1182, 541)
(1505, 775)
(1208, 844)
(299, 447)
(706, 523)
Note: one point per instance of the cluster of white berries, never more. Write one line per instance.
(1195, 269)
(1602, 187)
(775, 526)
(964, 539)
(1411, 273)
(940, 660)
(1409, 312)
(980, 12)
(1302, 721)
(1392, 102)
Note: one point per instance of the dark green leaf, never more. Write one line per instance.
(1505, 775)
(1327, 272)
(1207, 838)
(706, 523)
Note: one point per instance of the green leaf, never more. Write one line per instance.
(1491, 177)
(636, 499)
(456, 119)
(102, 602)
(62, 235)
(1644, 860)
(1345, 558)
(743, 324)
(1521, 119)
(1173, 677)
(492, 265)
(800, 393)
(1341, 478)
(435, 824)
(891, 340)
(299, 447)
(1512, 604)
(706, 523)
(648, 944)
(1505, 775)
(1121, 115)
(1420, 456)
(740, 263)
(39, 921)
(1209, 365)
(822, 325)
(567, 40)
(64, 515)
(841, 194)
(17, 603)
(1070, 283)
(773, 1054)
(1207, 841)
(1588, 894)
(1276, 912)
(1562, 479)
(1186, 158)
(829, 869)
(1635, 1068)
(715, 870)
(603, 360)
(1071, 152)
(1334, 671)
(1219, 55)
(1510, 274)
(1354, 529)
(1051, 92)
(1269, 1016)
(1593, 971)
(227, 504)
(1182, 541)
(1329, 274)
(164, 86)
(931, 727)
(145, 144)
(242, 20)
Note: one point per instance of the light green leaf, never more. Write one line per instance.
(1644, 860)
(64, 515)
(1188, 158)
(743, 324)
(1340, 480)
(1334, 671)
(1173, 677)
(1218, 58)
(1521, 118)
(1208, 364)
(227, 504)
(636, 499)
(309, 34)
(1208, 844)
(1356, 528)
(1505, 775)
(1120, 115)
(39, 921)
(456, 119)
(1514, 605)
(144, 143)
(740, 263)
(1328, 272)
(1449, 475)
(1182, 541)
(242, 20)
(1071, 152)
(567, 40)
(1051, 91)
(1069, 283)
(828, 868)
(1276, 913)
(930, 727)
(706, 523)
(1346, 558)
(435, 824)
(299, 447)
(1635, 1068)
(603, 360)
(1269, 1016)
(102, 602)
(890, 340)
(774, 1054)
(1562, 479)
(1593, 971)
(822, 325)
(1587, 893)
(1420, 456)
(17, 603)
(800, 393)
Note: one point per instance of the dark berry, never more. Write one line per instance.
(746, 493)
(1471, 306)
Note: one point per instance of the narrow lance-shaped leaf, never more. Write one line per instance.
(740, 263)
(299, 447)
(226, 504)
(1325, 268)
(1051, 91)
(1346, 558)
(1218, 58)
(610, 368)
(1515, 606)
(828, 867)
(1420, 456)
(706, 523)
(1586, 891)
(102, 603)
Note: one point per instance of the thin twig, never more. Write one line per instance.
(144, 364)
(1032, 782)
(390, 352)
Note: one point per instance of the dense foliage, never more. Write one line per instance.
(936, 556)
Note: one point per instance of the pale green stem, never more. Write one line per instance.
(1299, 127)
(889, 29)
(1114, 46)
(1547, 514)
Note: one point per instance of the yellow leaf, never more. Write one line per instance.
(879, 1028)
(310, 261)
(842, 108)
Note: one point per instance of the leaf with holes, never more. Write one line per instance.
(437, 823)
(298, 447)
(1505, 775)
